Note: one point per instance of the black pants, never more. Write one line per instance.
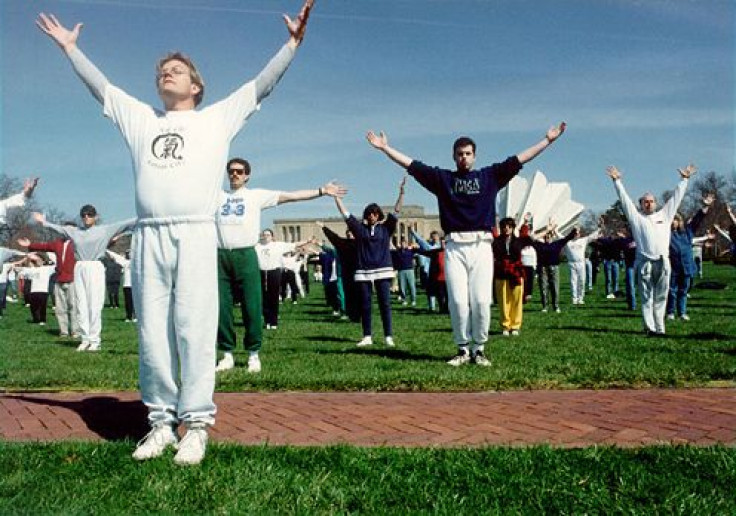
(288, 279)
(113, 291)
(128, 297)
(38, 302)
(271, 289)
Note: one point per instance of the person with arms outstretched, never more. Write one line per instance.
(18, 200)
(467, 206)
(238, 227)
(179, 154)
(650, 229)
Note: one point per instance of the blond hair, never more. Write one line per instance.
(194, 75)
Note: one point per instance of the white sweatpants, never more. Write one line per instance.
(89, 293)
(577, 280)
(174, 276)
(469, 276)
(654, 284)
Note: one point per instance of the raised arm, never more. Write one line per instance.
(29, 186)
(532, 152)
(423, 244)
(626, 203)
(332, 189)
(95, 80)
(673, 203)
(341, 207)
(730, 213)
(380, 142)
(277, 66)
(400, 198)
(41, 220)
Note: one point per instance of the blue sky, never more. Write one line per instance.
(645, 85)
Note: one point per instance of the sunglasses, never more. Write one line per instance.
(238, 171)
(85, 215)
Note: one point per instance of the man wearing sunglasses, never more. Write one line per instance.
(179, 154)
(238, 231)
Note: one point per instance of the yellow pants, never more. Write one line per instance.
(510, 303)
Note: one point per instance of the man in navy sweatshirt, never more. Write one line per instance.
(467, 198)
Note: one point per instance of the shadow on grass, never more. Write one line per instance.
(106, 416)
(393, 353)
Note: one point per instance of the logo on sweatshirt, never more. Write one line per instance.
(466, 186)
(168, 146)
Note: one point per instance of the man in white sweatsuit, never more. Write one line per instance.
(575, 253)
(179, 154)
(90, 243)
(651, 232)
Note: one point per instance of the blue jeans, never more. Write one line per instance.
(383, 293)
(631, 287)
(610, 271)
(677, 299)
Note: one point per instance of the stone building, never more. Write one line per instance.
(411, 216)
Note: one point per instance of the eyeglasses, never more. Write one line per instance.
(238, 171)
(176, 70)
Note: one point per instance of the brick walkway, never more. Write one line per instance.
(561, 418)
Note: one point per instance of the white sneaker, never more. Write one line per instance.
(365, 341)
(83, 346)
(254, 364)
(670, 317)
(685, 317)
(480, 359)
(611, 296)
(544, 310)
(581, 301)
(514, 333)
(94, 347)
(557, 310)
(227, 362)
(390, 342)
(155, 442)
(462, 357)
(192, 447)
(505, 333)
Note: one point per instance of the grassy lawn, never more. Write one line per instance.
(102, 479)
(598, 345)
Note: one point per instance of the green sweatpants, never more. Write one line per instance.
(238, 273)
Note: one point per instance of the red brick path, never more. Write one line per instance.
(561, 418)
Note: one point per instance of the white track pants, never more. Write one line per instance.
(174, 273)
(577, 280)
(469, 276)
(89, 293)
(654, 285)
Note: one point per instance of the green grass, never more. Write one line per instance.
(598, 345)
(101, 479)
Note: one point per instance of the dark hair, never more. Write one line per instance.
(269, 230)
(88, 209)
(373, 208)
(239, 161)
(463, 141)
(507, 221)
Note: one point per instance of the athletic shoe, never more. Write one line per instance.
(670, 317)
(390, 342)
(127, 320)
(404, 303)
(42, 324)
(544, 310)
(192, 447)
(574, 301)
(514, 333)
(685, 317)
(94, 347)
(480, 359)
(135, 320)
(506, 333)
(155, 442)
(227, 362)
(462, 357)
(254, 364)
(558, 310)
(581, 301)
(611, 296)
(84, 346)
(365, 341)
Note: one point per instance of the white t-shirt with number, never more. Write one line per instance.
(239, 216)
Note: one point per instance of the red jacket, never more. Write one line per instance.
(65, 260)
